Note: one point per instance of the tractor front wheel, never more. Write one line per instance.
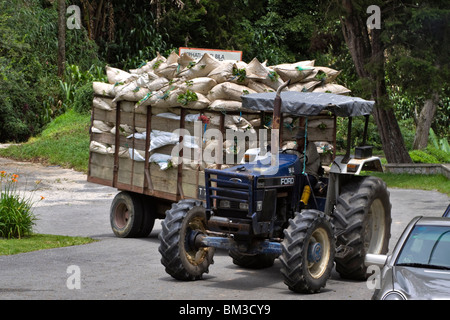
(181, 258)
(308, 251)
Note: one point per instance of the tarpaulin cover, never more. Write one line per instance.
(309, 103)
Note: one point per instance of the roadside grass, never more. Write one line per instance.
(64, 142)
(438, 183)
(37, 242)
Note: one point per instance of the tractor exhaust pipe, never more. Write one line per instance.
(276, 125)
(276, 122)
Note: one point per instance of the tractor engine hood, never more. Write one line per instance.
(288, 165)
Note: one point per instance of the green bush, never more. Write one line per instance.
(440, 155)
(77, 91)
(83, 98)
(16, 215)
(420, 156)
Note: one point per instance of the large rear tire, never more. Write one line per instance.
(308, 251)
(182, 260)
(363, 225)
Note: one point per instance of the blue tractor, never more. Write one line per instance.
(257, 213)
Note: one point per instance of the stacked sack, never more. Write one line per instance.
(209, 84)
(200, 86)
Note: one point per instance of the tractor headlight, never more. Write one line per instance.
(224, 204)
(243, 206)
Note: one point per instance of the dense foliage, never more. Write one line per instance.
(31, 94)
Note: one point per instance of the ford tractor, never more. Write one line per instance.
(263, 210)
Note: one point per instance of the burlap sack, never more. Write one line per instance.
(130, 92)
(101, 126)
(223, 72)
(228, 91)
(157, 84)
(332, 88)
(273, 80)
(103, 103)
(149, 66)
(185, 60)
(256, 70)
(225, 105)
(304, 86)
(259, 86)
(168, 68)
(201, 103)
(201, 69)
(295, 72)
(103, 89)
(199, 85)
(115, 75)
(326, 75)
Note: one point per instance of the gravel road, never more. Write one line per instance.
(124, 269)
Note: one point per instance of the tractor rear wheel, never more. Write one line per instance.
(181, 258)
(363, 225)
(308, 251)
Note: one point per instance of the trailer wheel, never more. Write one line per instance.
(181, 258)
(308, 251)
(126, 214)
(363, 225)
(149, 216)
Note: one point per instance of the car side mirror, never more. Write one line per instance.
(375, 259)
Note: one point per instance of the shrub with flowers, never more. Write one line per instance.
(16, 208)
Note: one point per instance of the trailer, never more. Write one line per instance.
(148, 179)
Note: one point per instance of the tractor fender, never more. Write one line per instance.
(355, 166)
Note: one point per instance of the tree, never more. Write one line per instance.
(419, 58)
(368, 53)
(61, 37)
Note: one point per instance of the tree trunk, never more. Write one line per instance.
(61, 37)
(367, 53)
(424, 122)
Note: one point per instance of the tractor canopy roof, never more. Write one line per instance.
(309, 103)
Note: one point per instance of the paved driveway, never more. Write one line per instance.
(114, 268)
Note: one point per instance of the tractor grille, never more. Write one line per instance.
(229, 194)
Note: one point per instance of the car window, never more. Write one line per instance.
(427, 245)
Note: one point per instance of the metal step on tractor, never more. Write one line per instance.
(269, 208)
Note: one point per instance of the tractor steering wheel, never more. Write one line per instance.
(292, 151)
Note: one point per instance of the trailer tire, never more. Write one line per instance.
(308, 252)
(363, 223)
(180, 258)
(126, 214)
(149, 216)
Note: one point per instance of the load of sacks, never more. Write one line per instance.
(209, 84)
(199, 86)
